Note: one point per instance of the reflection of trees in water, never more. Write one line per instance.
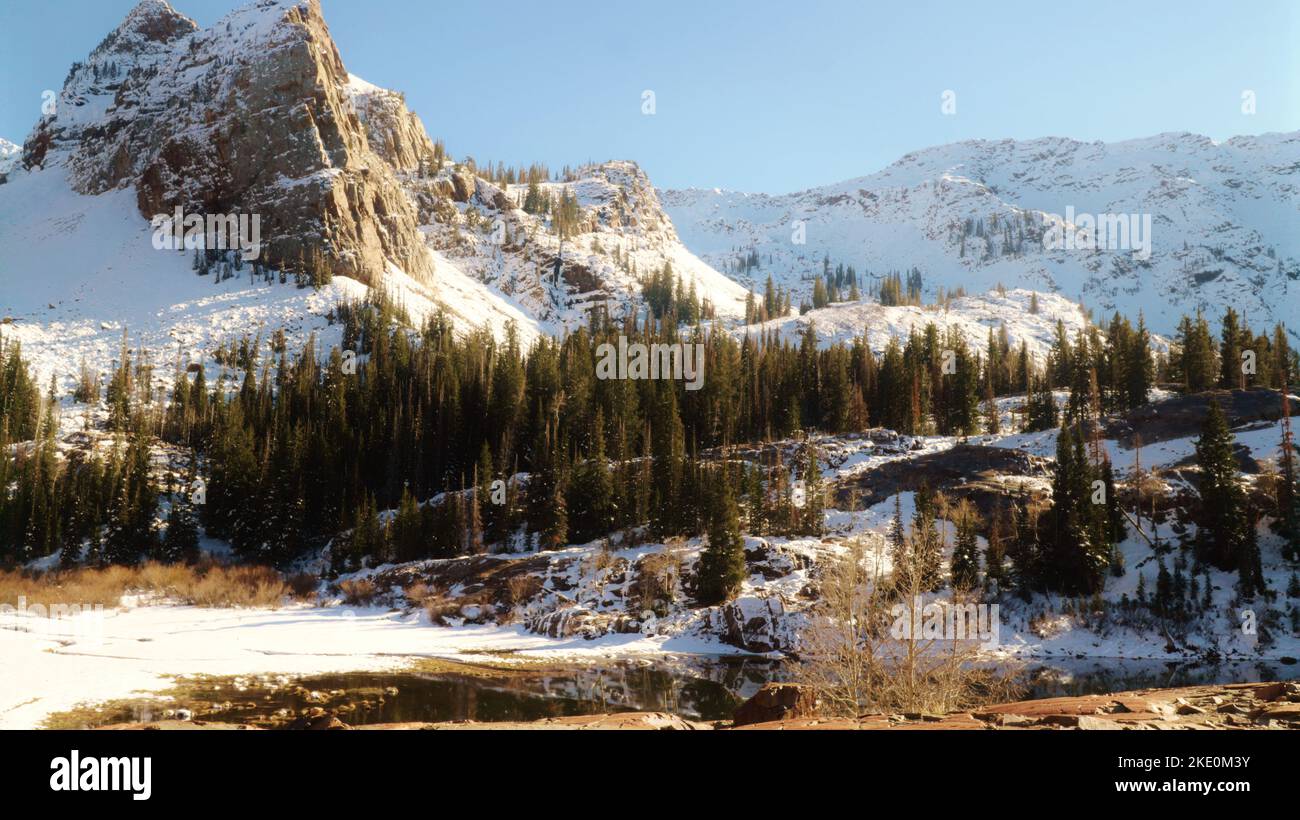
(708, 689)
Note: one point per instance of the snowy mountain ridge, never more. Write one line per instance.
(972, 215)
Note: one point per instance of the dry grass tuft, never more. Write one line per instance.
(205, 585)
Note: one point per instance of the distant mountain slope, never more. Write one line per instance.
(973, 316)
(9, 155)
(1225, 223)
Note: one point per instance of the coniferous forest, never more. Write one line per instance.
(479, 445)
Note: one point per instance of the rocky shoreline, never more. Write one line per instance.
(1249, 706)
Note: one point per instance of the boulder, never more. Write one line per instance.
(318, 723)
(969, 471)
(777, 701)
(581, 622)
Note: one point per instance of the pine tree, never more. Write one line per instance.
(591, 492)
(965, 553)
(1040, 408)
(407, 530)
(1288, 499)
(1222, 524)
(1080, 549)
(927, 544)
(1162, 603)
(488, 510)
(1250, 572)
(722, 561)
(814, 505)
(899, 548)
(181, 541)
(1114, 514)
(995, 570)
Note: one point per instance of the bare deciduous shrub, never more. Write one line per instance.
(358, 591)
(436, 603)
(656, 582)
(419, 592)
(439, 606)
(601, 560)
(519, 590)
(166, 580)
(858, 664)
(85, 587)
(522, 587)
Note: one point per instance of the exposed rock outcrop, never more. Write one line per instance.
(394, 132)
(985, 475)
(255, 116)
(1184, 416)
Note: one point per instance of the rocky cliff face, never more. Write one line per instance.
(620, 235)
(254, 115)
(394, 132)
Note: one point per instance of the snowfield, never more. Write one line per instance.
(80, 270)
(53, 666)
(972, 316)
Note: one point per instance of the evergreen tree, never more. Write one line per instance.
(965, 553)
(722, 561)
(813, 512)
(181, 541)
(995, 571)
(1040, 409)
(927, 544)
(1250, 571)
(1222, 523)
(591, 492)
(407, 530)
(899, 548)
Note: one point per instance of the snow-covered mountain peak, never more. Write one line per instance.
(253, 116)
(974, 214)
(150, 22)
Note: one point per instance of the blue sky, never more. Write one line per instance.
(758, 95)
